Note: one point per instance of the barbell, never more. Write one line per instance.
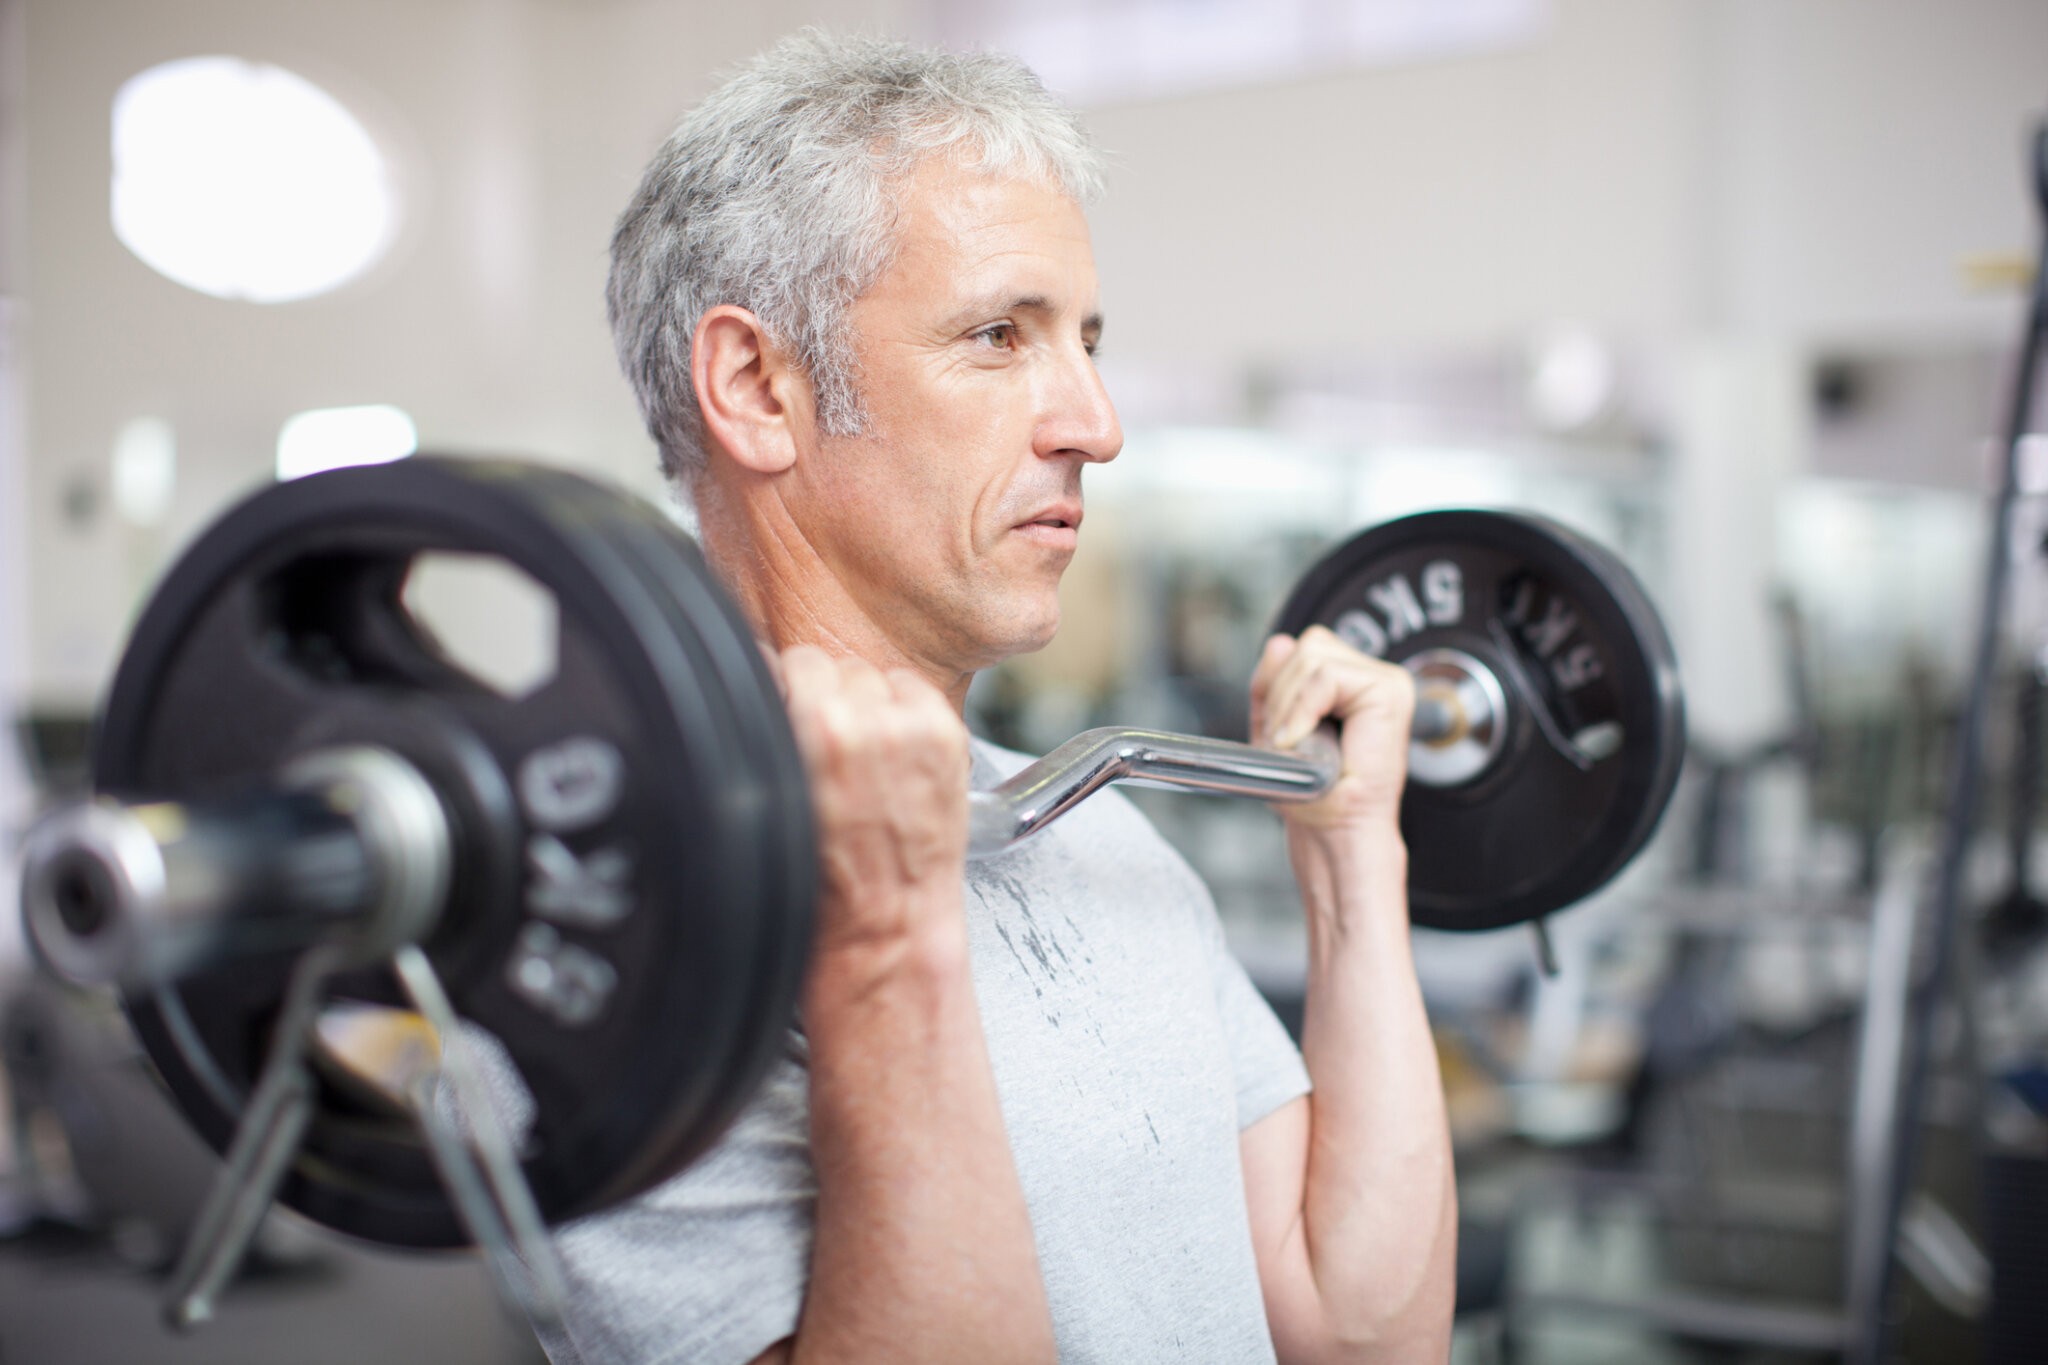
(308, 813)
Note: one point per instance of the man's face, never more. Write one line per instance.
(951, 518)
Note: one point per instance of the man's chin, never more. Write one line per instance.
(1025, 629)
(1031, 644)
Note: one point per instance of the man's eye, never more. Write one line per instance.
(1002, 336)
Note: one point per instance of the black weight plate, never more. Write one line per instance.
(673, 568)
(281, 631)
(1572, 637)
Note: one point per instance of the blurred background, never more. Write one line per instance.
(1733, 286)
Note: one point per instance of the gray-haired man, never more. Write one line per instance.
(1036, 1109)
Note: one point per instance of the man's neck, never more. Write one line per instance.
(789, 594)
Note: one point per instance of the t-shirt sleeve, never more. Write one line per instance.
(1265, 1063)
(709, 1266)
(1268, 1065)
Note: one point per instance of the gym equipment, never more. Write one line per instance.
(315, 829)
(307, 765)
(1567, 724)
(1873, 1258)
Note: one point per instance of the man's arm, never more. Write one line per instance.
(1351, 1193)
(923, 1247)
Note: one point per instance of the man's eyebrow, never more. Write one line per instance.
(995, 303)
(992, 305)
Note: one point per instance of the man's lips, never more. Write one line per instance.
(1055, 529)
(1064, 516)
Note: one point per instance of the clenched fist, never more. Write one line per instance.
(888, 763)
(1301, 682)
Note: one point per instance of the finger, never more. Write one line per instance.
(810, 682)
(1332, 680)
(1278, 649)
(1371, 688)
(1281, 694)
(1322, 637)
(1311, 654)
(807, 673)
(855, 722)
(924, 707)
(912, 688)
(1311, 695)
(862, 684)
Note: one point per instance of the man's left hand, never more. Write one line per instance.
(1300, 683)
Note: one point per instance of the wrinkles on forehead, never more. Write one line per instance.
(954, 260)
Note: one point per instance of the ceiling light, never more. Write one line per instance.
(245, 181)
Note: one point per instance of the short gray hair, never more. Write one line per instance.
(778, 194)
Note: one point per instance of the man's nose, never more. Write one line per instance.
(1079, 418)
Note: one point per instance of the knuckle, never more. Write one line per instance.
(833, 725)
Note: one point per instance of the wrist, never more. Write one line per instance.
(923, 954)
(1363, 848)
(1351, 875)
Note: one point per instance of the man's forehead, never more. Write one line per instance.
(995, 240)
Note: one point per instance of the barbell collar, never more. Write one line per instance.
(1461, 712)
(349, 844)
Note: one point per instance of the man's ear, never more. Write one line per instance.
(756, 404)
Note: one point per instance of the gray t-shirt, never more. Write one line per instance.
(1129, 1050)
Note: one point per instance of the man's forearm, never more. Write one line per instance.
(1379, 1208)
(923, 1246)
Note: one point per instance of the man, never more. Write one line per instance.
(1034, 1107)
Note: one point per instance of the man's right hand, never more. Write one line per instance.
(888, 763)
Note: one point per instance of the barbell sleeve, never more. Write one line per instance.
(348, 842)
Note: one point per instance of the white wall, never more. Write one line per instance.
(1863, 149)
(1739, 171)
(1439, 204)
(521, 126)
(1812, 168)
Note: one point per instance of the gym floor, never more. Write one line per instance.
(67, 1299)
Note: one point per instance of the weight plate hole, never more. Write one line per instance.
(382, 1059)
(375, 1054)
(486, 617)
